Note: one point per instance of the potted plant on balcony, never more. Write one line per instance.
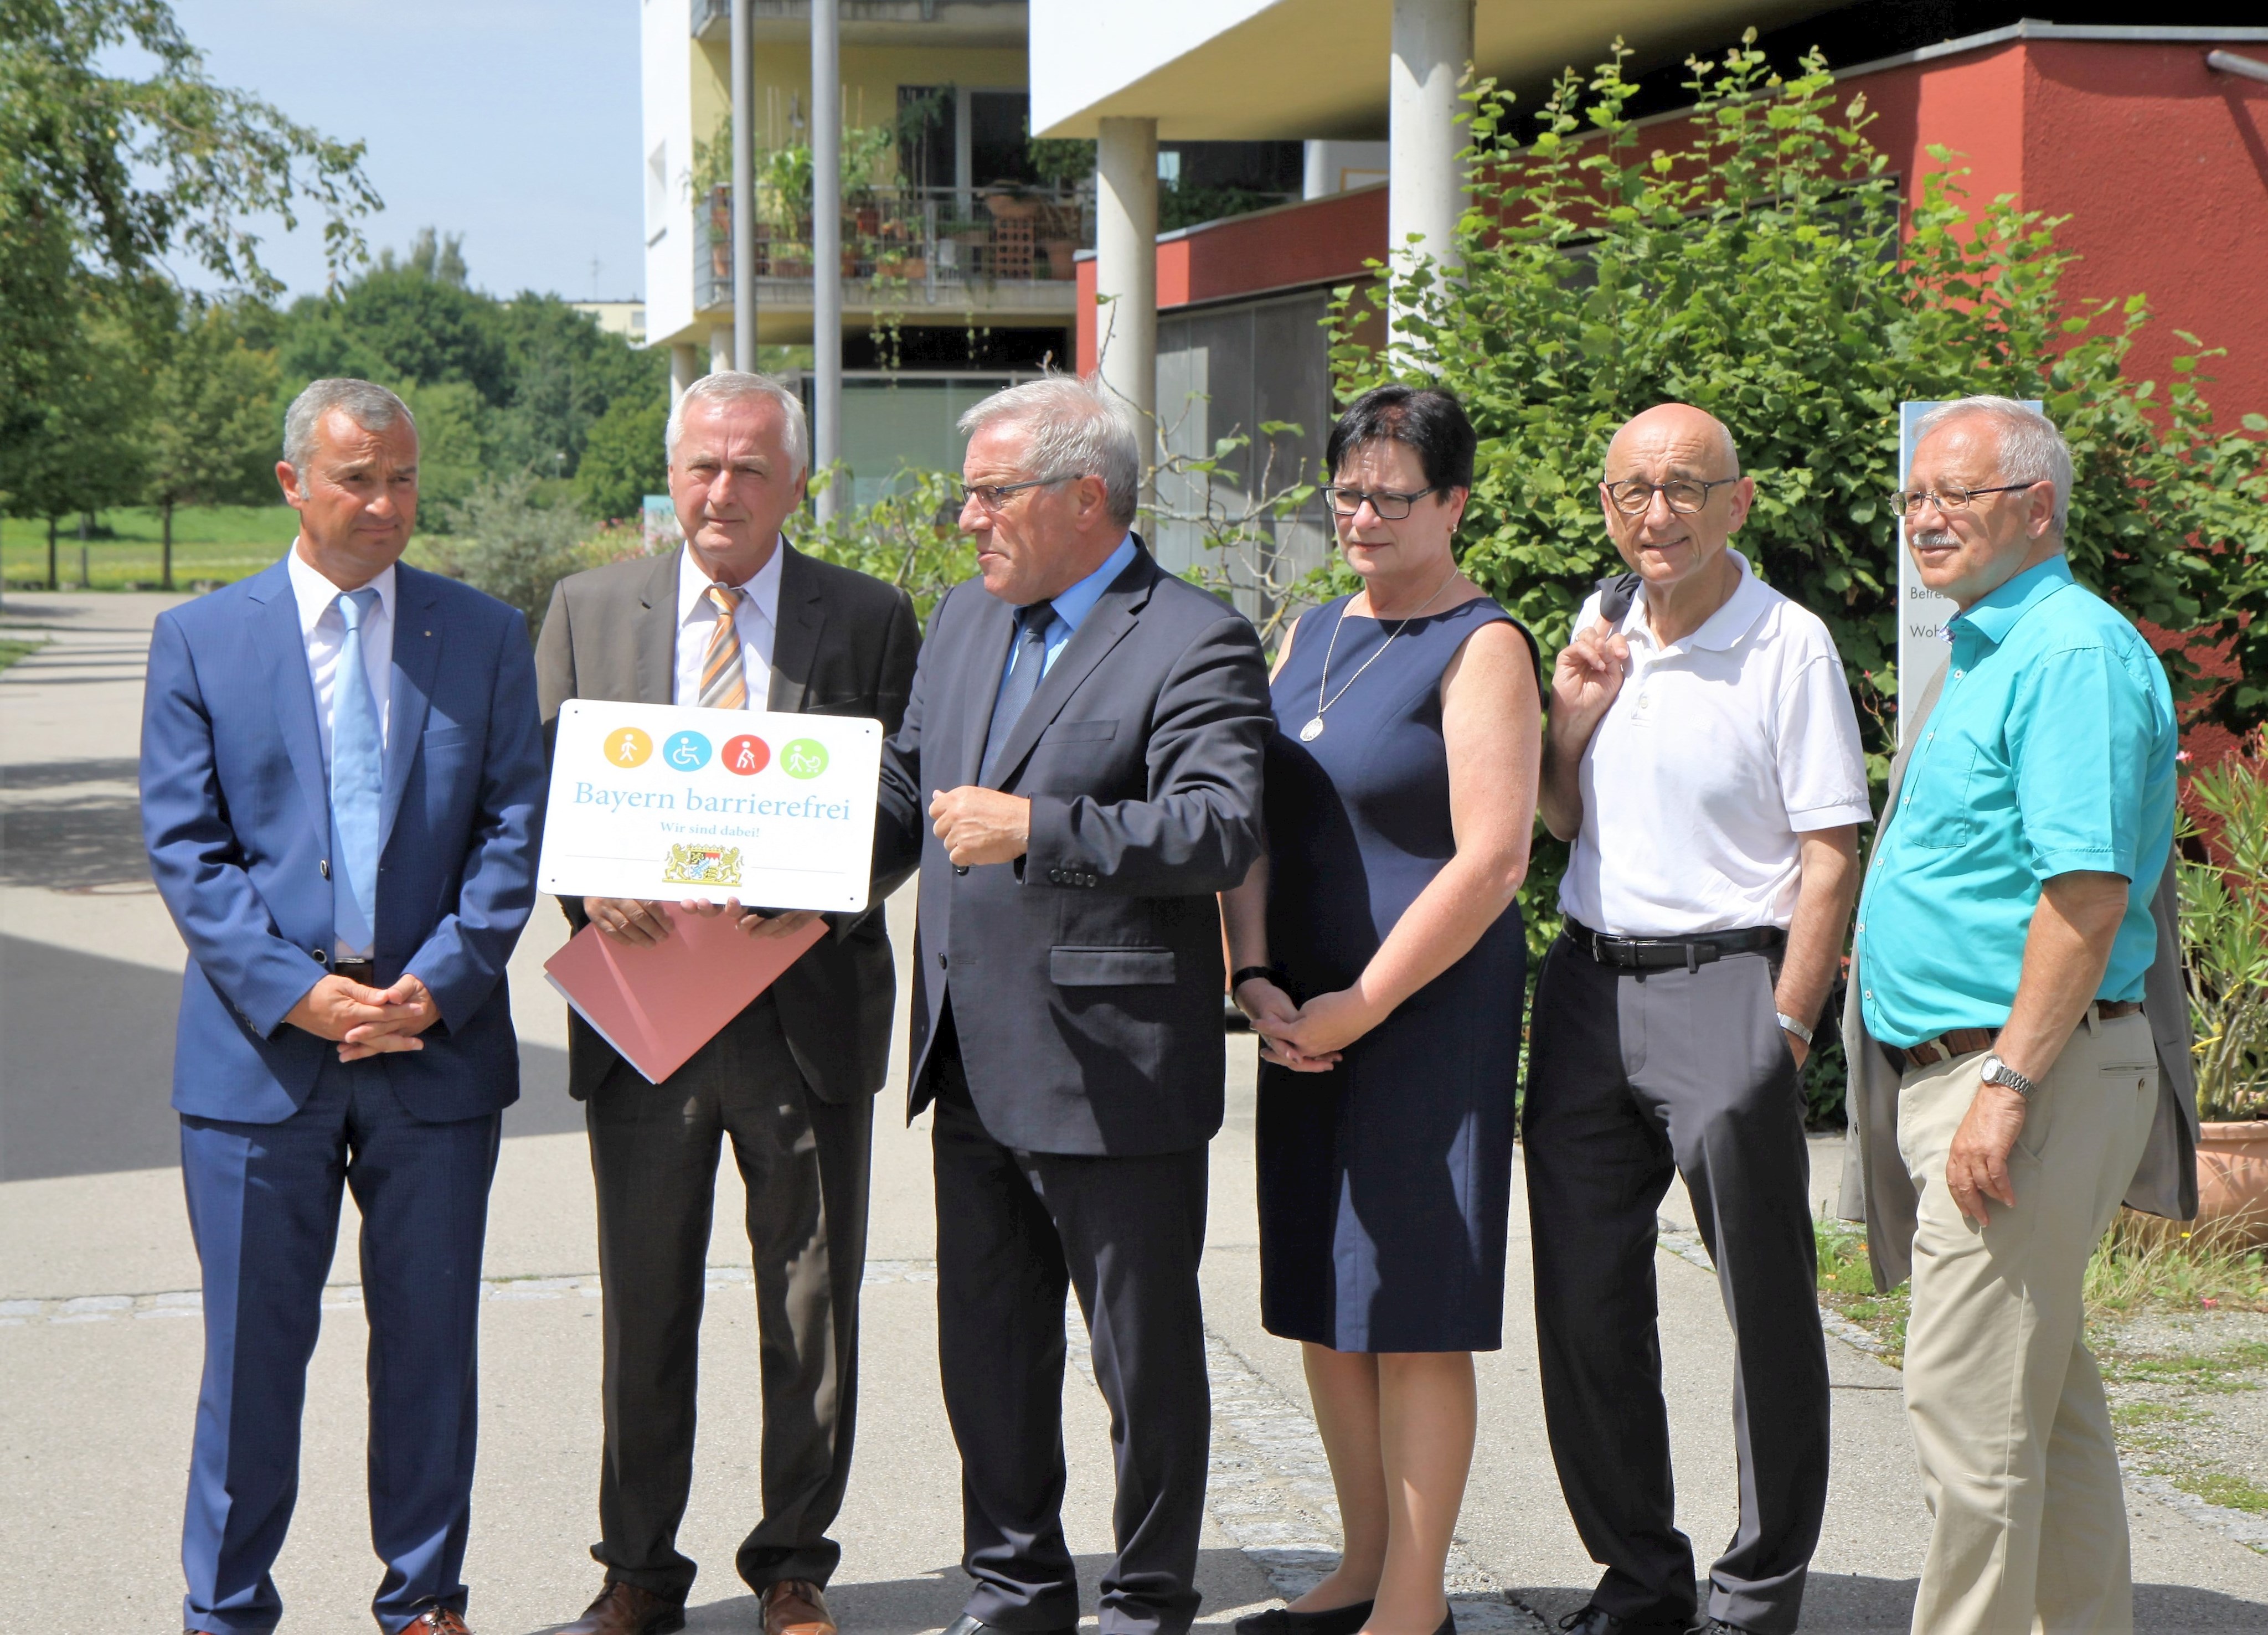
(1010, 202)
(2225, 953)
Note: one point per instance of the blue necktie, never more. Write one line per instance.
(1023, 681)
(357, 784)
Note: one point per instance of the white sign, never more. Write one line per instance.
(1922, 649)
(664, 803)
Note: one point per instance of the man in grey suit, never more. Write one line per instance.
(1079, 774)
(738, 619)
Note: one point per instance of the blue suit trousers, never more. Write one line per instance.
(264, 1205)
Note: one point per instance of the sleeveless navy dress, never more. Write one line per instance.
(1384, 1184)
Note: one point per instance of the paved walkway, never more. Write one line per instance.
(99, 1335)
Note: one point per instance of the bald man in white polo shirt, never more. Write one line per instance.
(1702, 756)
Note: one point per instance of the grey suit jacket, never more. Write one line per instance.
(1085, 976)
(1876, 1187)
(845, 646)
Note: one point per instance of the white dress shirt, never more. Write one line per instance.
(1718, 754)
(757, 621)
(323, 631)
(323, 628)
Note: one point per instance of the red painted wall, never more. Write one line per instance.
(2161, 165)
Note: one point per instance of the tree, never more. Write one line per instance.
(211, 435)
(623, 460)
(507, 543)
(103, 175)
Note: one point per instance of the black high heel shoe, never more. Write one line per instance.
(1283, 1620)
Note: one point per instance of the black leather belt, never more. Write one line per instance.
(363, 971)
(1661, 953)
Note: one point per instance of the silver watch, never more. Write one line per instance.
(1996, 1071)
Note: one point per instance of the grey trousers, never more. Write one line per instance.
(1633, 1077)
(654, 1150)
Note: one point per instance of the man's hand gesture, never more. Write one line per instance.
(1586, 678)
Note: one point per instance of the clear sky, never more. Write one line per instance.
(514, 122)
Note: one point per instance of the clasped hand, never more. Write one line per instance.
(981, 825)
(1305, 1038)
(366, 1022)
(636, 924)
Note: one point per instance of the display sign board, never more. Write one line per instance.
(1922, 611)
(667, 803)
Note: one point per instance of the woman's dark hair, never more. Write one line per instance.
(1428, 420)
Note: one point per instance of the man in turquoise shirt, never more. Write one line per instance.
(2001, 946)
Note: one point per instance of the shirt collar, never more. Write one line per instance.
(1721, 628)
(1995, 614)
(1076, 602)
(315, 594)
(763, 586)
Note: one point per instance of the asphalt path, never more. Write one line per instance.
(99, 1335)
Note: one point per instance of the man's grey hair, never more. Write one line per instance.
(1075, 430)
(2031, 449)
(738, 385)
(371, 407)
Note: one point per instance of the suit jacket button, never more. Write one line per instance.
(940, 961)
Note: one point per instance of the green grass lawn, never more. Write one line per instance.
(212, 544)
(11, 651)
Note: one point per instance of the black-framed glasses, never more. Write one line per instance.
(1911, 500)
(1390, 506)
(1686, 497)
(990, 495)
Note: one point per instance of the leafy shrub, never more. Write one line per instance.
(2225, 941)
(911, 539)
(506, 540)
(623, 458)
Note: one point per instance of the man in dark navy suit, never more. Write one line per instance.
(342, 780)
(1079, 774)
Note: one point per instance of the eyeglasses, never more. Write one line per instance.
(989, 495)
(1911, 500)
(1686, 498)
(1390, 507)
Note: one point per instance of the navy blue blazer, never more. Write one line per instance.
(236, 814)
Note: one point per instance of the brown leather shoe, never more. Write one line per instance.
(436, 1620)
(626, 1610)
(796, 1607)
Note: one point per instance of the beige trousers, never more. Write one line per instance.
(2017, 1461)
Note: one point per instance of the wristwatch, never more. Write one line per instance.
(1789, 1025)
(1996, 1071)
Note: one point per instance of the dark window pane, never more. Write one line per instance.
(998, 124)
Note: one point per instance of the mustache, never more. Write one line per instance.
(1937, 539)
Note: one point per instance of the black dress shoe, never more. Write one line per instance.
(966, 1625)
(1283, 1621)
(1595, 1620)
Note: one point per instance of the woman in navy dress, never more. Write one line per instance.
(1380, 958)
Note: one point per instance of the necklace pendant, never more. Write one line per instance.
(1313, 731)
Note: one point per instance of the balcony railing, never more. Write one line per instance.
(916, 238)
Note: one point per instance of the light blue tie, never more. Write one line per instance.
(357, 784)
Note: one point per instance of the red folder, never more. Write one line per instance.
(657, 1006)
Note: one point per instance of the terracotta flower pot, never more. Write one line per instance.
(1008, 207)
(2233, 1180)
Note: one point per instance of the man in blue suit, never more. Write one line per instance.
(341, 783)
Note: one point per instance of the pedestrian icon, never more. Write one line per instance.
(746, 755)
(687, 752)
(627, 746)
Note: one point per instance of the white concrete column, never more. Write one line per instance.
(684, 369)
(743, 355)
(1126, 266)
(1432, 43)
(826, 245)
(720, 348)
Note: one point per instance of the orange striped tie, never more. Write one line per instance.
(724, 683)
